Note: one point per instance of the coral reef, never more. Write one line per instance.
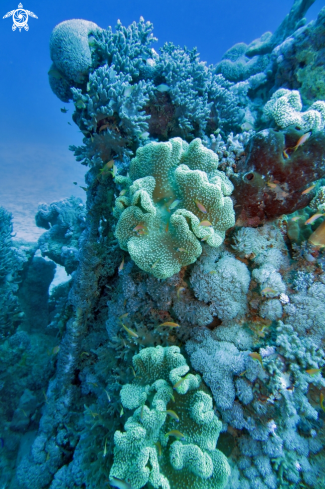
(94, 375)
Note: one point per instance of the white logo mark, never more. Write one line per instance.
(20, 18)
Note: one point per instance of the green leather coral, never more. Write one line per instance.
(285, 108)
(147, 451)
(171, 190)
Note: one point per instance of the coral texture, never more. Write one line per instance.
(146, 452)
(172, 189)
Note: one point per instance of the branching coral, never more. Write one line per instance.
(172, 189)
(265, 404)
(144, 453)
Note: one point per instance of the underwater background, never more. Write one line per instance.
(162, 235)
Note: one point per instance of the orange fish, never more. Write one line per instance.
(205, 238)
(257, 356)
(170, 324)
(313, 371)
(309, 189)
(302, 140)
(285, 154)
(167, 227)
(103, 127)
(120, 268)
(313, 218)
(200, 207)
(139, 226)
(321, 401)
(205, 223)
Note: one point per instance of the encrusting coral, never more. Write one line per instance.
(145, 452)
(173, 197)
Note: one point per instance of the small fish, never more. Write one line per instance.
(302, 140)
(155, 264)
(162, 88)
(285, 154)
(167, 227)
(170, 324)
(47, 456)
(313, 218)
(102, 128)
(144, 135)
(129, 331)
(213, 272)
(142, 232)
(80, 104)
(55, 74)
(64, 110)
(108, 396)
(159, 449)
(75, 183)
(200, 207)
(172, 397)
(123, 192)
(172, 414)
(124, 315)
(84, 188)
(45, 396)
(69, 123)
(268, 291)
(93, 383)
(128, 91)
(205, 238)
(114, 171)
(122, 411)
(133, 371)
(84, 353)
(105, 449)
(177, 434)
(271, 185)
(183, 250)
(139, 226)
(120, 268)
(296, 218)
(119, 483)
(257, 356)
(179, 291)
(243, 373)
(88, 87)
(205, 224)
(174, 204)
(180, 382)
(107, 166)
(54, 350)
(309, 189)
(313, 371)
(321, 401)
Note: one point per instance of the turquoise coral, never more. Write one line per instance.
(285, 108)
(167, 183)
(143, 453)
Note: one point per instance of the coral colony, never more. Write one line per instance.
(186, 350)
